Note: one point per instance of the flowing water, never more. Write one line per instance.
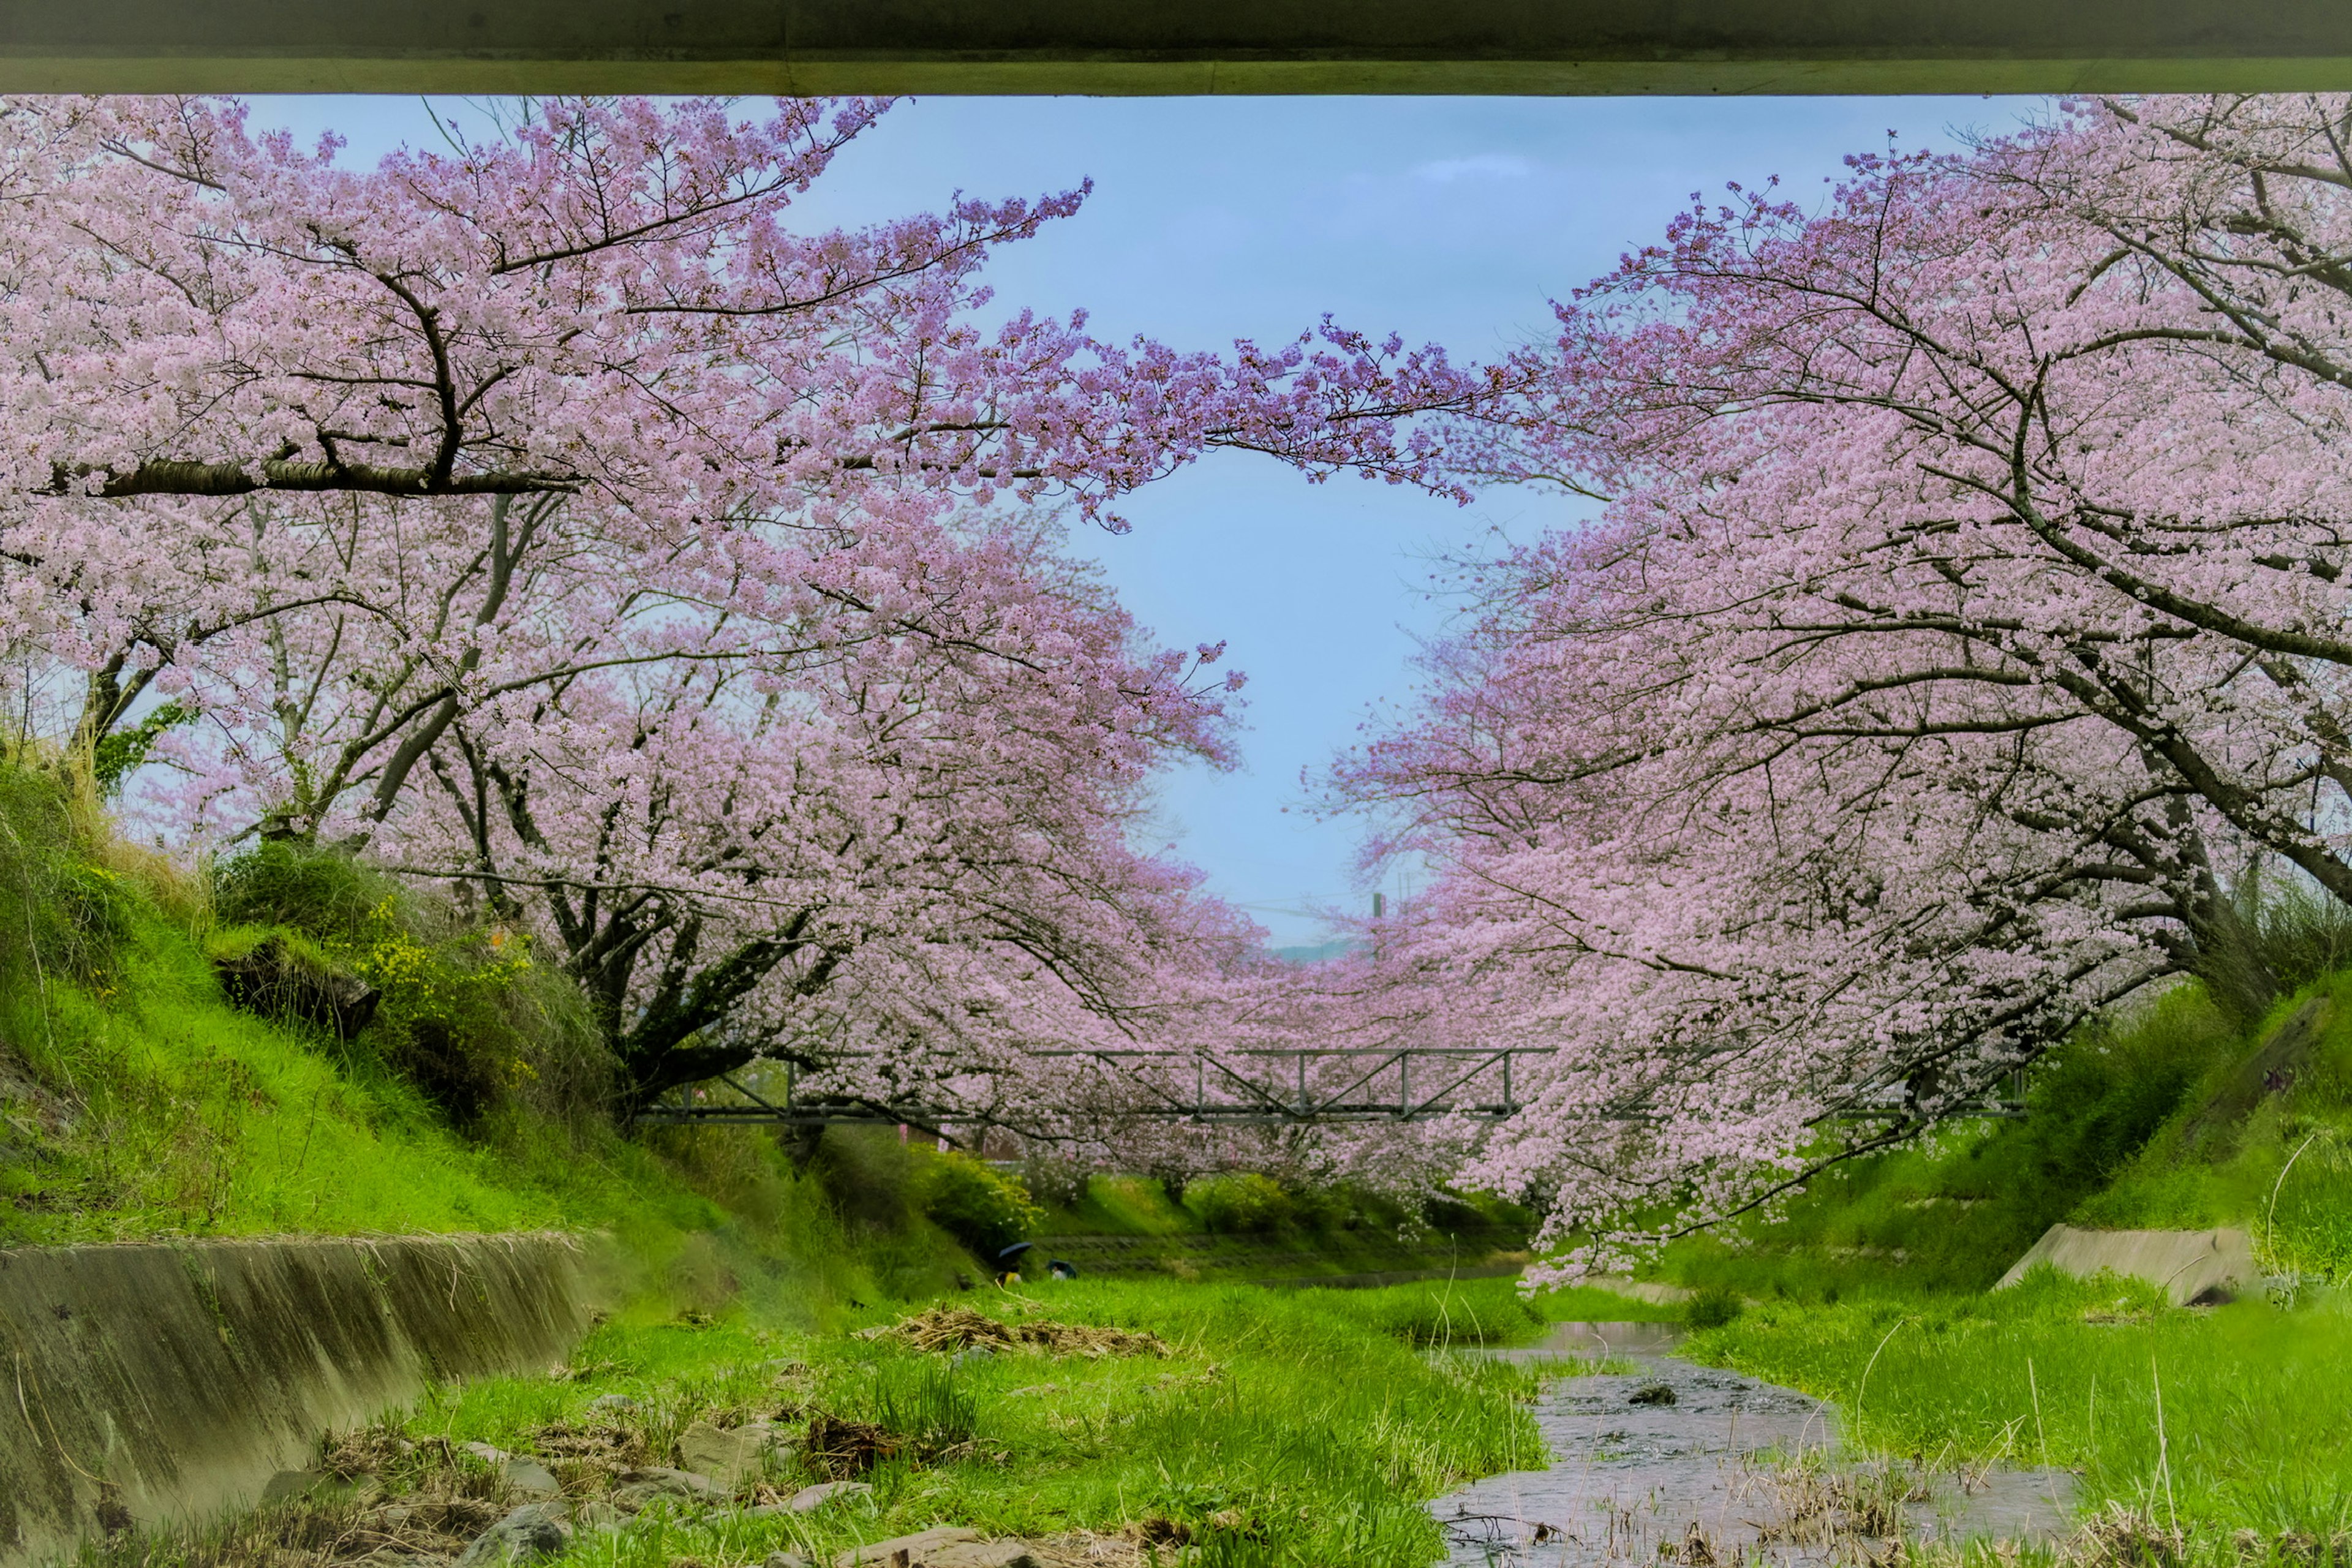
(1732, 1469)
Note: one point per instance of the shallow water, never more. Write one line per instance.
(1752, 1467)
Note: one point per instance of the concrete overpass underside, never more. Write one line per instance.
(1174, 47)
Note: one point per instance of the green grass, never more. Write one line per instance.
(1119, 1206)
(2257, 1403)
(2281, 1168)
(1128, 1226)
(1299, 1427)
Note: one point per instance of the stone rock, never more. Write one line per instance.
(984, 1554)
(919, 1549)
(529, 1535)
(641, 1486)
(785, 1559)
(2187, 1265)
(808, 1499)
(530, 1476)
(485, 1453)
(273, 979)
(612, 1405)
(728, 1455)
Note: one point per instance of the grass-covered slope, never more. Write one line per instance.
(1245, 1225)
(2209, 1421)
(2223, 1436)
(2263, 1141)
(2167, 1118)
(136, 1101)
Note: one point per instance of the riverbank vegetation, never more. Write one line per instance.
(2168, 1116)
(2218, 1430)
(2207, 1422)
(1226, 1424)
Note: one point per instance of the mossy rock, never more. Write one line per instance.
(274, 980)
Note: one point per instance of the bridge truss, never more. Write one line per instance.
(1269, 1086)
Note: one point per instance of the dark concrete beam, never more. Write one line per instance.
(1174, 46)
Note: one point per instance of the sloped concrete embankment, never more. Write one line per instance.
(2188, 1266)
(148, 1385)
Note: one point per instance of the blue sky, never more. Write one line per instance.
(1446, 219)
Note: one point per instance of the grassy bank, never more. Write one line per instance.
(1240, 1226)
(136, 1101)
(2167, 1116)
(1871, 1291)
(1253, 1427)
(2255, 1430)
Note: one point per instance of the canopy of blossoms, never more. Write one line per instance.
(549, 515)
(1963, 615)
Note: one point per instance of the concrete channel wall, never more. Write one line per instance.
(155, 1383)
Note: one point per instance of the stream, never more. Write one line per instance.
(1731, 1470)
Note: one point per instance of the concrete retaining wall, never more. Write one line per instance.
(155, 1383)
(2186, 1264)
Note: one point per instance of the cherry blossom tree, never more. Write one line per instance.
(1962, 617)
(548, 514)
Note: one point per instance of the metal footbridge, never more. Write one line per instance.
(1270, 1086)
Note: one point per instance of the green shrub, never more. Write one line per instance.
(325, 894)
(63, 914)
(1240, 1201)
(467, 1014)
(1712, 1306)
(973, 1202)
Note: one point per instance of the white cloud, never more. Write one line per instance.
(1478, 166)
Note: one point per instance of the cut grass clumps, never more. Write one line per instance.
(960, 1329)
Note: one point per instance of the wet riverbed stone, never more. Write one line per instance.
(729, 1456)
(810, 1499)
(531, 1533)
(641, 1486)
(1653, 1393)
(916, 1551)
(530, 1477)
